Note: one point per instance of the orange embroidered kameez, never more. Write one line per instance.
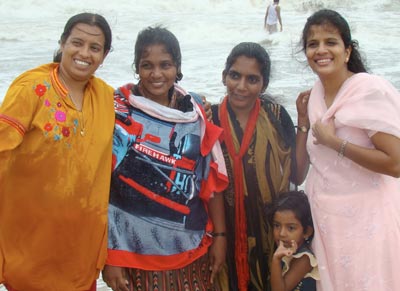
(54, 182)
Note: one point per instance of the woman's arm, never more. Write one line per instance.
(384, 159)
(217, 250)
(303, 125)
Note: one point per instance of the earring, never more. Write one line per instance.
(307, 240)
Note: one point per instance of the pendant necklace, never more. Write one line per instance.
(81, 115)
(80, 110)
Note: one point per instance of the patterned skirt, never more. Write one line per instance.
(194, 277)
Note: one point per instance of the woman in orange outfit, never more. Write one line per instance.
(56, 125)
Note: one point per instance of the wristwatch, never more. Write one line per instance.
(303, 128)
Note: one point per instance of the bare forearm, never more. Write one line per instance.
(277, 282)
(302, 157)
(217, 212)
(374, 160)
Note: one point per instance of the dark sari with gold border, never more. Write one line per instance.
(268, 169)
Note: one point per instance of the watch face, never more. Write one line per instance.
(303, 128)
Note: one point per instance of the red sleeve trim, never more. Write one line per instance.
(14, 123)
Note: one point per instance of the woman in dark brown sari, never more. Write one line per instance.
(258, 145)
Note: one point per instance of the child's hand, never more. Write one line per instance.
(287, 249)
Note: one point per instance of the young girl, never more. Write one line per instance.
(293, 266)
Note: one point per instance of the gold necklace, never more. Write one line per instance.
(80, 114)
(80, 111)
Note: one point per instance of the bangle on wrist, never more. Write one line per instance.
(342, 148)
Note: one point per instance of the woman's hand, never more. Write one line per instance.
(207, 108)
(324, 133)
(217, 254)
(115, 278)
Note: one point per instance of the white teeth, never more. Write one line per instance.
(82, 63)
(324, 61)
(157, 84)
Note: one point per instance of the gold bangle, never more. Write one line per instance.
(342, 148)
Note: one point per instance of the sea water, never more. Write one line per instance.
(207, 31)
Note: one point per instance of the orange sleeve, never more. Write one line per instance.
(16, 113)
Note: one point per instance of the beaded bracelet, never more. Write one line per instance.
(342, 148)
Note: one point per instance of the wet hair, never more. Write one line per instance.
(158, 35)
(250, 50)
(295, 201)
(331, 18)
(90, 19)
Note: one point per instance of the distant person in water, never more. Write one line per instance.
(272, 16)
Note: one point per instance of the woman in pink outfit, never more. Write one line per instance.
(354, 151)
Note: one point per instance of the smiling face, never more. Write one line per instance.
(325, 51)
(82, 52)
(244, 83)
(286, 227)
(157, 72)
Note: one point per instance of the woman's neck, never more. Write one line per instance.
(76, 89)
(333, 84)
(242, 115)
(162, 100)
(70, 83)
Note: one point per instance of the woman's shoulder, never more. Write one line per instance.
(367, 80)
(35, 74)
(101, 83)
(280, 118)
(272, 103)
(32, 83)
(124, 91)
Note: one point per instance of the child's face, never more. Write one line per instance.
(287, 228)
